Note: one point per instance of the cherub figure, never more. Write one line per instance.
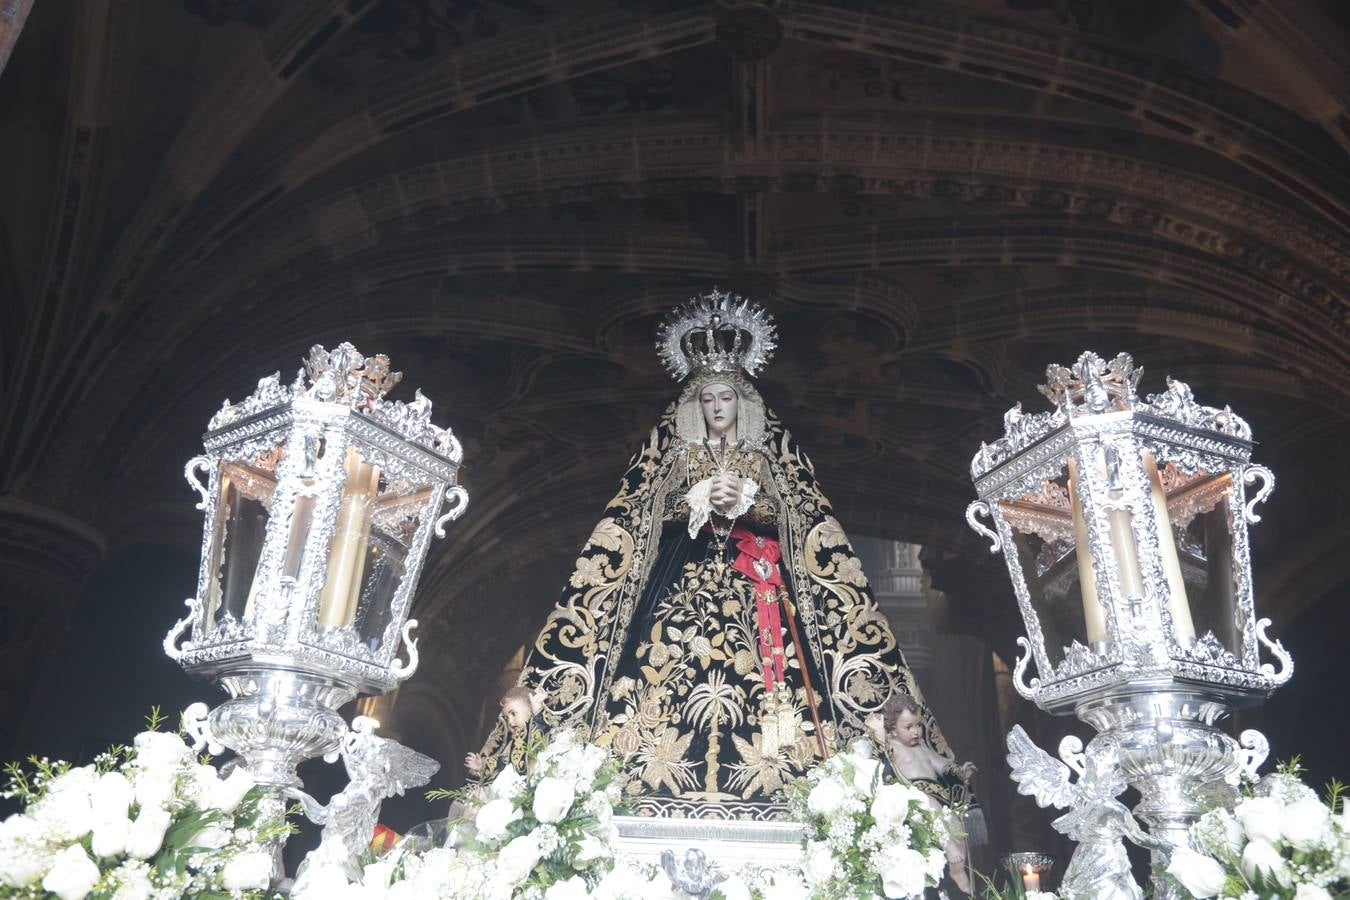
(1099, 868)
(378, 768)
(522, 712)
(898, 729)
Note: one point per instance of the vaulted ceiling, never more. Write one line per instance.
(935, 198)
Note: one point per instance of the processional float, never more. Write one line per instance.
(1123, 522)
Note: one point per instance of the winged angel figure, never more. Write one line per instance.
(377, 768)
(1096, 820)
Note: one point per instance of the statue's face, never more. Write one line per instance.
(719, 409)
(909, 729)
(516, 713)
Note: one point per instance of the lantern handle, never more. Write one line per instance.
(1267, 485)
(171, 648)
(1252, 752)
(1286, 670)
(460, 498)
(189, 472)
(980, 507)
(1027, 688)
(401, 670)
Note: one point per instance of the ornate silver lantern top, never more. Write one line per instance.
(320, 501)
(1123, 522)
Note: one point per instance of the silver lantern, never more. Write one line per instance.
(320, 501)
(1123, 522)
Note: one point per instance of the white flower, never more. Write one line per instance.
(1262, 857)
(552, 799)
(212, 837)
(72, 875)
(110, 837)
(818, 864)
(1304, 823)
(133, 881)
(786, 886)
(902, 873)
(517, 859)
(155, 789)
(1199, 874)
(159, 750)
(21, 862)
(1311, 892)
(508, 783)
(1260, 818)
(573, 888)
(826, 797)
(66, 811)
(249, 871)
(110, 797)
(494, 817)
(936, 864)
(321, 882)
(1218, 831)
(735, 888)
(891, 804)
(227, 793)
(591, 848)
(865, 773)
(147, 833)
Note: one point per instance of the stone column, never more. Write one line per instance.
(45, 559)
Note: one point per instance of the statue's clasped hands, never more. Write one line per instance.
(725, 492)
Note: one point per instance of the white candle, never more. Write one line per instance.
(1031, 879)
(346, 543)
(1093, 613)
(1183, 628)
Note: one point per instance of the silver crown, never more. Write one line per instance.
(716, 332)
(1093, 385)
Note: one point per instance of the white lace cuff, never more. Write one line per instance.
(700, 502)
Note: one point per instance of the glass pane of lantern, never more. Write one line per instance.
(242, 510)
(1198, 507)
(1045, 539)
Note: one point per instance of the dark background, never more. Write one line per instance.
(936, 199)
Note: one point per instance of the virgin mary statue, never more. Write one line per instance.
(717, 633)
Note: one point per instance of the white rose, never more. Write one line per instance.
(65, 812)
(1304, 823)
(936, 860)
(147, 833)
(155, 789)
(379, 874)
(1199, 874)
(573, 888)
(157, 750)
(212, 837)
(111, 796)
(21, 863)
(865, 773)
(322, 882)
(735, 888)
(1260, 818)
(251, 871)
(591, 848)
(1262, 857)
(110, 837)
(825, 798)
(508, 783)
(517, 859)
(494, 817)
(72, 875)
(552, 799)
(818, 864)
(786, 886)
(227, 793)
(1311, 892)
(891, 804)
(902, 873)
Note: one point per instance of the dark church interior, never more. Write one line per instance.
(936, 199)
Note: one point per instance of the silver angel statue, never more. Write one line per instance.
(1096, 820)
(378, 768)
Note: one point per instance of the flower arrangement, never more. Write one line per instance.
(1281, 842)
(868, 836)
(148, 820)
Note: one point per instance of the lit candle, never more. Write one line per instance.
(1183, 628)
(1031, 879)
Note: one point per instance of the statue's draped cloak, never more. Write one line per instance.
(648, 651)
